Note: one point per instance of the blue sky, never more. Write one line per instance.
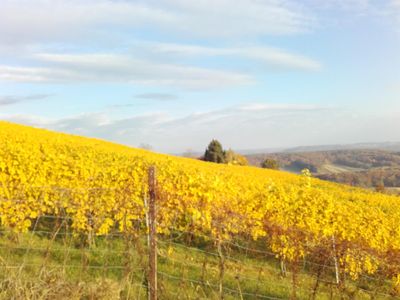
(175, 73)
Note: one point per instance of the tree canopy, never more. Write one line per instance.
(215, 152)
(233, 158)
(270, 163)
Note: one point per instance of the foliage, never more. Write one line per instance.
(102, 186)
(361, 159)
(361, 167)
(380, 188)
(388, 177)
(233, 158)
(270, 163)
(215, 152)
(57, 271)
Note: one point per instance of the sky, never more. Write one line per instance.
(175, 74)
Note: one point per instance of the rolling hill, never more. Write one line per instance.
(62, 194)
(359, 167)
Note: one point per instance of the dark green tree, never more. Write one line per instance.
(270, 163)
(215, 152)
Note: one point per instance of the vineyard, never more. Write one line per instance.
(81, 205)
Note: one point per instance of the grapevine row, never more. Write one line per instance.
(103, 186)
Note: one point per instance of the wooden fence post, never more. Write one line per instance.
(337, 273)
(152, 235)
(221, 269)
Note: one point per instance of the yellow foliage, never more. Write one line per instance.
(102, 185)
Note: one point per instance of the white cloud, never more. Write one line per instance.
(395, 5)
(239, 18)
(267, 55)
(157, 96)
(361, 6)
(292, 107)
(111, 68)
(340, 12)
(56, 28)
(14, 99)
(24, 21)
(35, 21)
(146, 66)
(249, 126)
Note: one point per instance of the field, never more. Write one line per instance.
(218, 226)
(332, 168)
(42, 268)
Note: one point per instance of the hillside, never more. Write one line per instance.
(389, 177)
(388, 146)
(361, 167)
(102, 188)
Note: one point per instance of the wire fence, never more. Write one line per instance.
(184, 270)
(55, 261)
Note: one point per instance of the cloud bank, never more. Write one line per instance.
(112, 68)
(27, 21)
(248, 126)
(10, 99)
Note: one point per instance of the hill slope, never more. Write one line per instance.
(361, 167)
(101, 186)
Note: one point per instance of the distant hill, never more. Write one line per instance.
(390, 146)
(388, 177)
(359, 167)
(362, 164)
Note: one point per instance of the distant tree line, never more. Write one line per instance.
(379, 177)
(362, 159)
(216, 153)
(270, 163)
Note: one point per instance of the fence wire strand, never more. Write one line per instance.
(66, 247)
